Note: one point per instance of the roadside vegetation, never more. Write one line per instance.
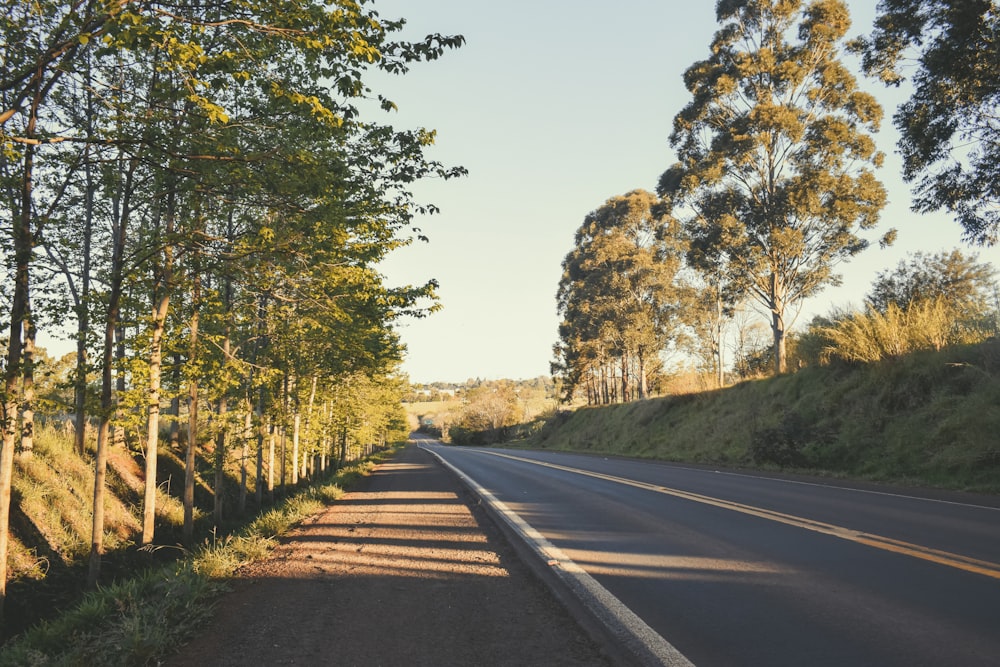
(927, 418)
(144, 617)
(235, 502)
(482, 412)
(775, 187)
(904, 388)
(195, 200)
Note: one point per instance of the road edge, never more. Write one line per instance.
(625, 637)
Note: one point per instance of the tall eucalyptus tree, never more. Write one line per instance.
(776, 163)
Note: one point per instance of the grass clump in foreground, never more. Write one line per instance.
(141, 620)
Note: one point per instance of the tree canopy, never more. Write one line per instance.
(966, 284)
(205, 191)
(616, 298)
(949, 132)
(776, 160)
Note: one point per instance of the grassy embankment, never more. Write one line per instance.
(928, 419)
(152, 598)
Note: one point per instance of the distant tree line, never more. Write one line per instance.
(483, 412)
(773, 187)
(197, 192)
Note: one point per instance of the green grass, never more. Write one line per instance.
(129, 623)
(928, 418)
(141, 620)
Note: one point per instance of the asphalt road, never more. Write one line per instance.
(736, 569)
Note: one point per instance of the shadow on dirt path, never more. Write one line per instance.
(402, 571)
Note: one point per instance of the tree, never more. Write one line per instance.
(149, 115)
(489, 410)
(617, 297)
(965, 284)
(775, 163)
(949, 132)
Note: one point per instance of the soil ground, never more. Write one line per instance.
(404, 570)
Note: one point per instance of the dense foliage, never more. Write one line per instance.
(775, 156)
(200, 193)
(618, 299)
(949, 133)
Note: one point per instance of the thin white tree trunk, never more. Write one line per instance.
(295, 448)
(244, 453)
(270, 463)
(192, 443)
(153, 419)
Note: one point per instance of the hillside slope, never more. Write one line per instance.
(929, 418)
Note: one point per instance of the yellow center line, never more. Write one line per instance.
(949, 559)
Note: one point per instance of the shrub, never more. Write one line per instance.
(781, 445)
(876, 335)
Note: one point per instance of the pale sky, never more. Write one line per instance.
(554, 106)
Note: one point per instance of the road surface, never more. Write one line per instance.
(737, 569)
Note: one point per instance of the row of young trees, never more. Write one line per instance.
(775, 183)
(196, 189)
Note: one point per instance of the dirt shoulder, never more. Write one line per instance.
(404, 570)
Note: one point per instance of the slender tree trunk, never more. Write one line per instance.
(281, 455)
(83, 305)
(28, 385)
(192, 443)
(259, 347)
(643, 386)
(221, 441)
(153, 418)
(327, 441)
(261, 433)
(777, 304)
(80, 378)
(174, 436)
(295, 448)
(100, 467)
(21, 228)
(244, 454)
(625, 384)
(309, 419)
(284, 434)
(118, 431)
(720, 360)
(107, 379)
(160, 308)
(270, 464)
(780, 354)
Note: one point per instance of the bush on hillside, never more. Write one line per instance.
(782, 445)
(873, 335)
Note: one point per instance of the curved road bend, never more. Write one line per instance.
(736, 569)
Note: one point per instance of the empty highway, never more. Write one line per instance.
(742, 569)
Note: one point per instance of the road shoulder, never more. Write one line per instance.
(404, 570)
